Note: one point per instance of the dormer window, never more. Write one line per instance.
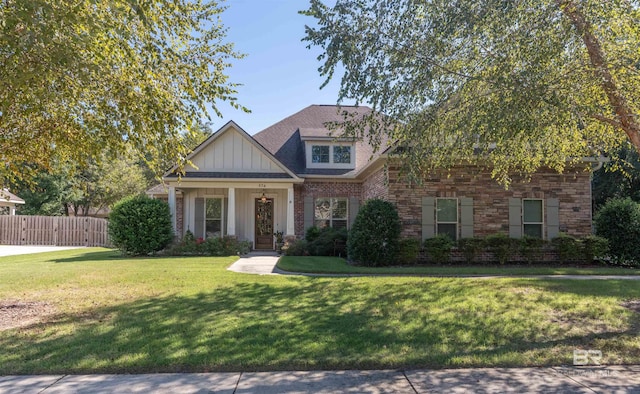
(330, 154)
(320, 154)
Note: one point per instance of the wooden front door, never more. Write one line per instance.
(264, 224)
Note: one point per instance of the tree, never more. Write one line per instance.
(79, 77)
(514, 84)
(79, 191)
(618, 178)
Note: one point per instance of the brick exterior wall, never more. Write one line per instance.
(491, 200)
(179, 216)
(317, 189)
(375, 185)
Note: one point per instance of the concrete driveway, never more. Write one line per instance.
(12, 250)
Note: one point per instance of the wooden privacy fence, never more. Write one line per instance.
(53, 230)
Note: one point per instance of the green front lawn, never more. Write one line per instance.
(336, 265)
(105, 313)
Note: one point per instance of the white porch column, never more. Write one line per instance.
(12, 210)
(231, 215)
(290, 219)
(172, 208)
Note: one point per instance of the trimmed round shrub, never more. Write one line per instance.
(594, 248)
(373, 239)
(619, 222)
(140, 225)
(501, 246)
(471, 248)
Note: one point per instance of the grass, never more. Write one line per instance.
(117, 315)
(336, 265)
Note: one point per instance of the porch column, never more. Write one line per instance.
(12, 210)
(231, 215)
(172, 208)
(290, 219)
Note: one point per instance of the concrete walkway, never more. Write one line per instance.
(600, 379)
(11, 250)
(259, 263)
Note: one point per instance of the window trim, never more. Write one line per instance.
(222, 227)
(457, 222)
(542, 213)
(331, 203)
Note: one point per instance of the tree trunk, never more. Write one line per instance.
(625, 118)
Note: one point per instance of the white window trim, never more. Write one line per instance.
(457, 222)
(542, 232)
(222, 224)
(331, 218)
(331, 164)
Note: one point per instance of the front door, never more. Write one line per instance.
(264, 224)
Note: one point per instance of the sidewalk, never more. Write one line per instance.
(600, 379)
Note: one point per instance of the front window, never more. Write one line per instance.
(320, 153)
(213, 218)
(447, 217)
(342, 154)
(331, 212)
(532, 218)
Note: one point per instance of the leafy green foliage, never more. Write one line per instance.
(298, 247)
(212, 246)
(439, 248)
(80, 77)
(594, 247)
(83, 190)
(619, 222)
(325, 241)
(531, 248)
(501, 246)
(408, 250)
(568, 247)
(140, 225)
(618, 178)
(516, 84)
(373, 239)
(471, 248)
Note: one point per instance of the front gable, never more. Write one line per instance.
(232, 150)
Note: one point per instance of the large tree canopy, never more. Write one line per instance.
(80, 77)
(515, 84)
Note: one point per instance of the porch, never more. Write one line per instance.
(248, 211)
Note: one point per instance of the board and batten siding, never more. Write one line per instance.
(232, 152)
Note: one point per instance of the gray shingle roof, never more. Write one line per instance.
(283, 139)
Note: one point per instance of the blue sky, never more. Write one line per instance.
(279, 74)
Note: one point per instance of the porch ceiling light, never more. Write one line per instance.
(263, 198)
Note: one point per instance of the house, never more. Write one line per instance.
(9, 202)
(294, 174)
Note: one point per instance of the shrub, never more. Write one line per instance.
(568, 247)
(297, 248)
(594, 247)
(619, 222)
(438, 248)
(531, 248)
(409, 248)
(470, 248)
(312, 233)
(323, 241)
(373, 240)
(500, 245)
(140, 225)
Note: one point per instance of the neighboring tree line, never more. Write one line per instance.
(82, 190)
